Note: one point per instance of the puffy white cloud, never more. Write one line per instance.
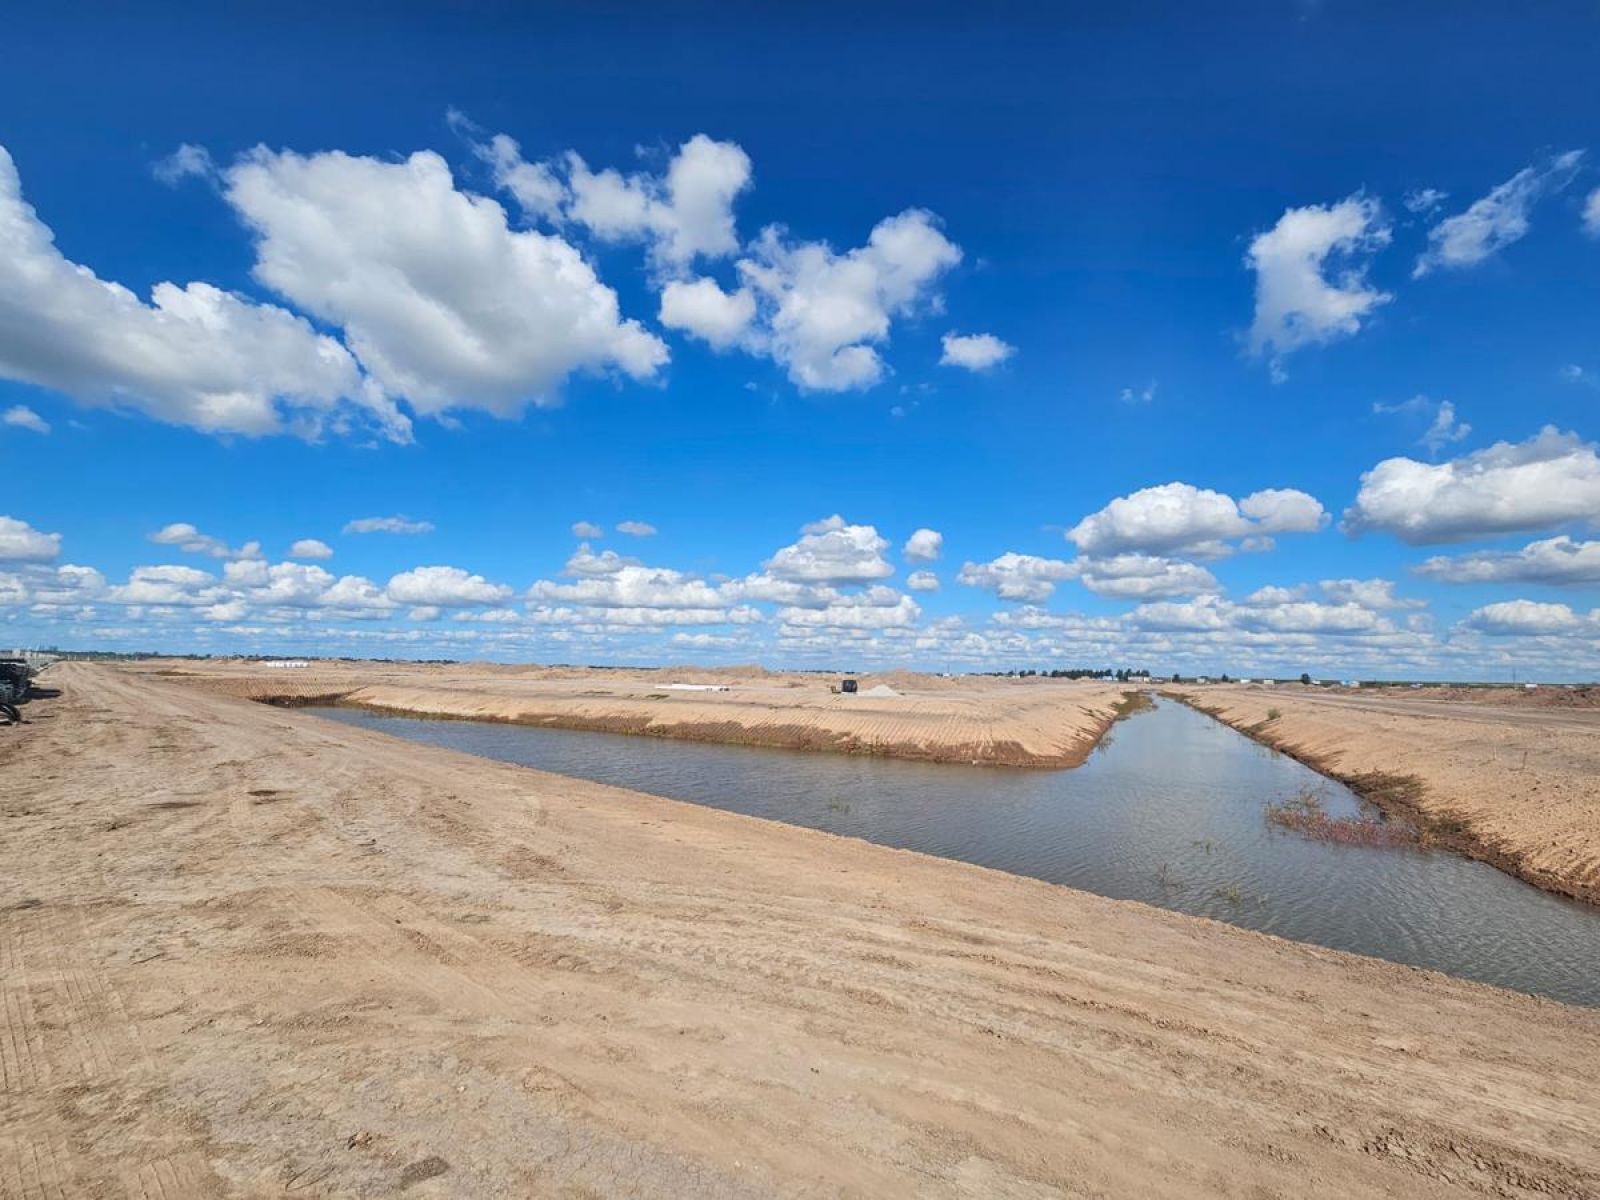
(1143, 576)
(440, 299)
(702, 309)
(1376, 594)
(1269, 612)
(925, 545)
(395, 524)
(538, 190)
(1512, 617)
(629, 585)
(587, 529)
(188, 161)
(1557, 560)
(66, 585)
(169, 586)
(279, 585)
(310, 548)
(974, 351)
(21, 542)
(1496, 220)
(822, 312)
(1591, 214)
(853, 612)
(1175, 518)
(195, 355)
(444, 587)
(832, 552)
(1297, 303)
(20, 416)
(1545, 481)
(1014, 576)
(686, 213)
(586, 563)
(636, 528)
(1144, 395)
(1309, 616)
(764, 588)
(354, 596)
(922, 581)
(191, 541)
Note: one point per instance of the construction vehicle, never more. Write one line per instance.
(16, 678)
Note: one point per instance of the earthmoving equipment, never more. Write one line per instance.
(16, 676)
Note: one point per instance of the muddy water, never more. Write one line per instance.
(1169, 810)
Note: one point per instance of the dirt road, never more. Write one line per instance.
(1517, 786)
(247, 952)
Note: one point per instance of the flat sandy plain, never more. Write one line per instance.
(1010, 722)
(244, 951)
(1510, 776)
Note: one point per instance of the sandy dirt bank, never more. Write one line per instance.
(1002, 722)
(1509, 777)
(247, 952)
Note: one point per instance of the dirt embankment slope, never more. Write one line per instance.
(1517, 785)
(245, 951)
(1000, 722)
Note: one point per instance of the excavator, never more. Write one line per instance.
(16, 678)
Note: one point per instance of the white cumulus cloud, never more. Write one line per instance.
(1548, 480)
(701, 308)
(922, 581)
(1179, 518)
(832, 551)
(21, 542)
(685, 213)
(822, 313)
(444, 587)
(443, 302)
(1300, 300)
(1518, 617)
(1014, 576)
(924, 545)
(1557, 560)
(636, 528)
(195, 355)
(974, 351)
(191, 541)
(310, 548)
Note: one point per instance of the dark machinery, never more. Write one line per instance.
(16, 676)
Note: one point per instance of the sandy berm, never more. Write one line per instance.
(244, 951)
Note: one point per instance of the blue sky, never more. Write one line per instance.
(1255, 342)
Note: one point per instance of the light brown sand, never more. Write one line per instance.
(244, 951)
(1514, 781)
(1010, 722)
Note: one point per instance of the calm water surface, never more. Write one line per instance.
(1169, 810)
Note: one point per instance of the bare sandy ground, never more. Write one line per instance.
(1513, 780)
(247, 952)
(1008, 722)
